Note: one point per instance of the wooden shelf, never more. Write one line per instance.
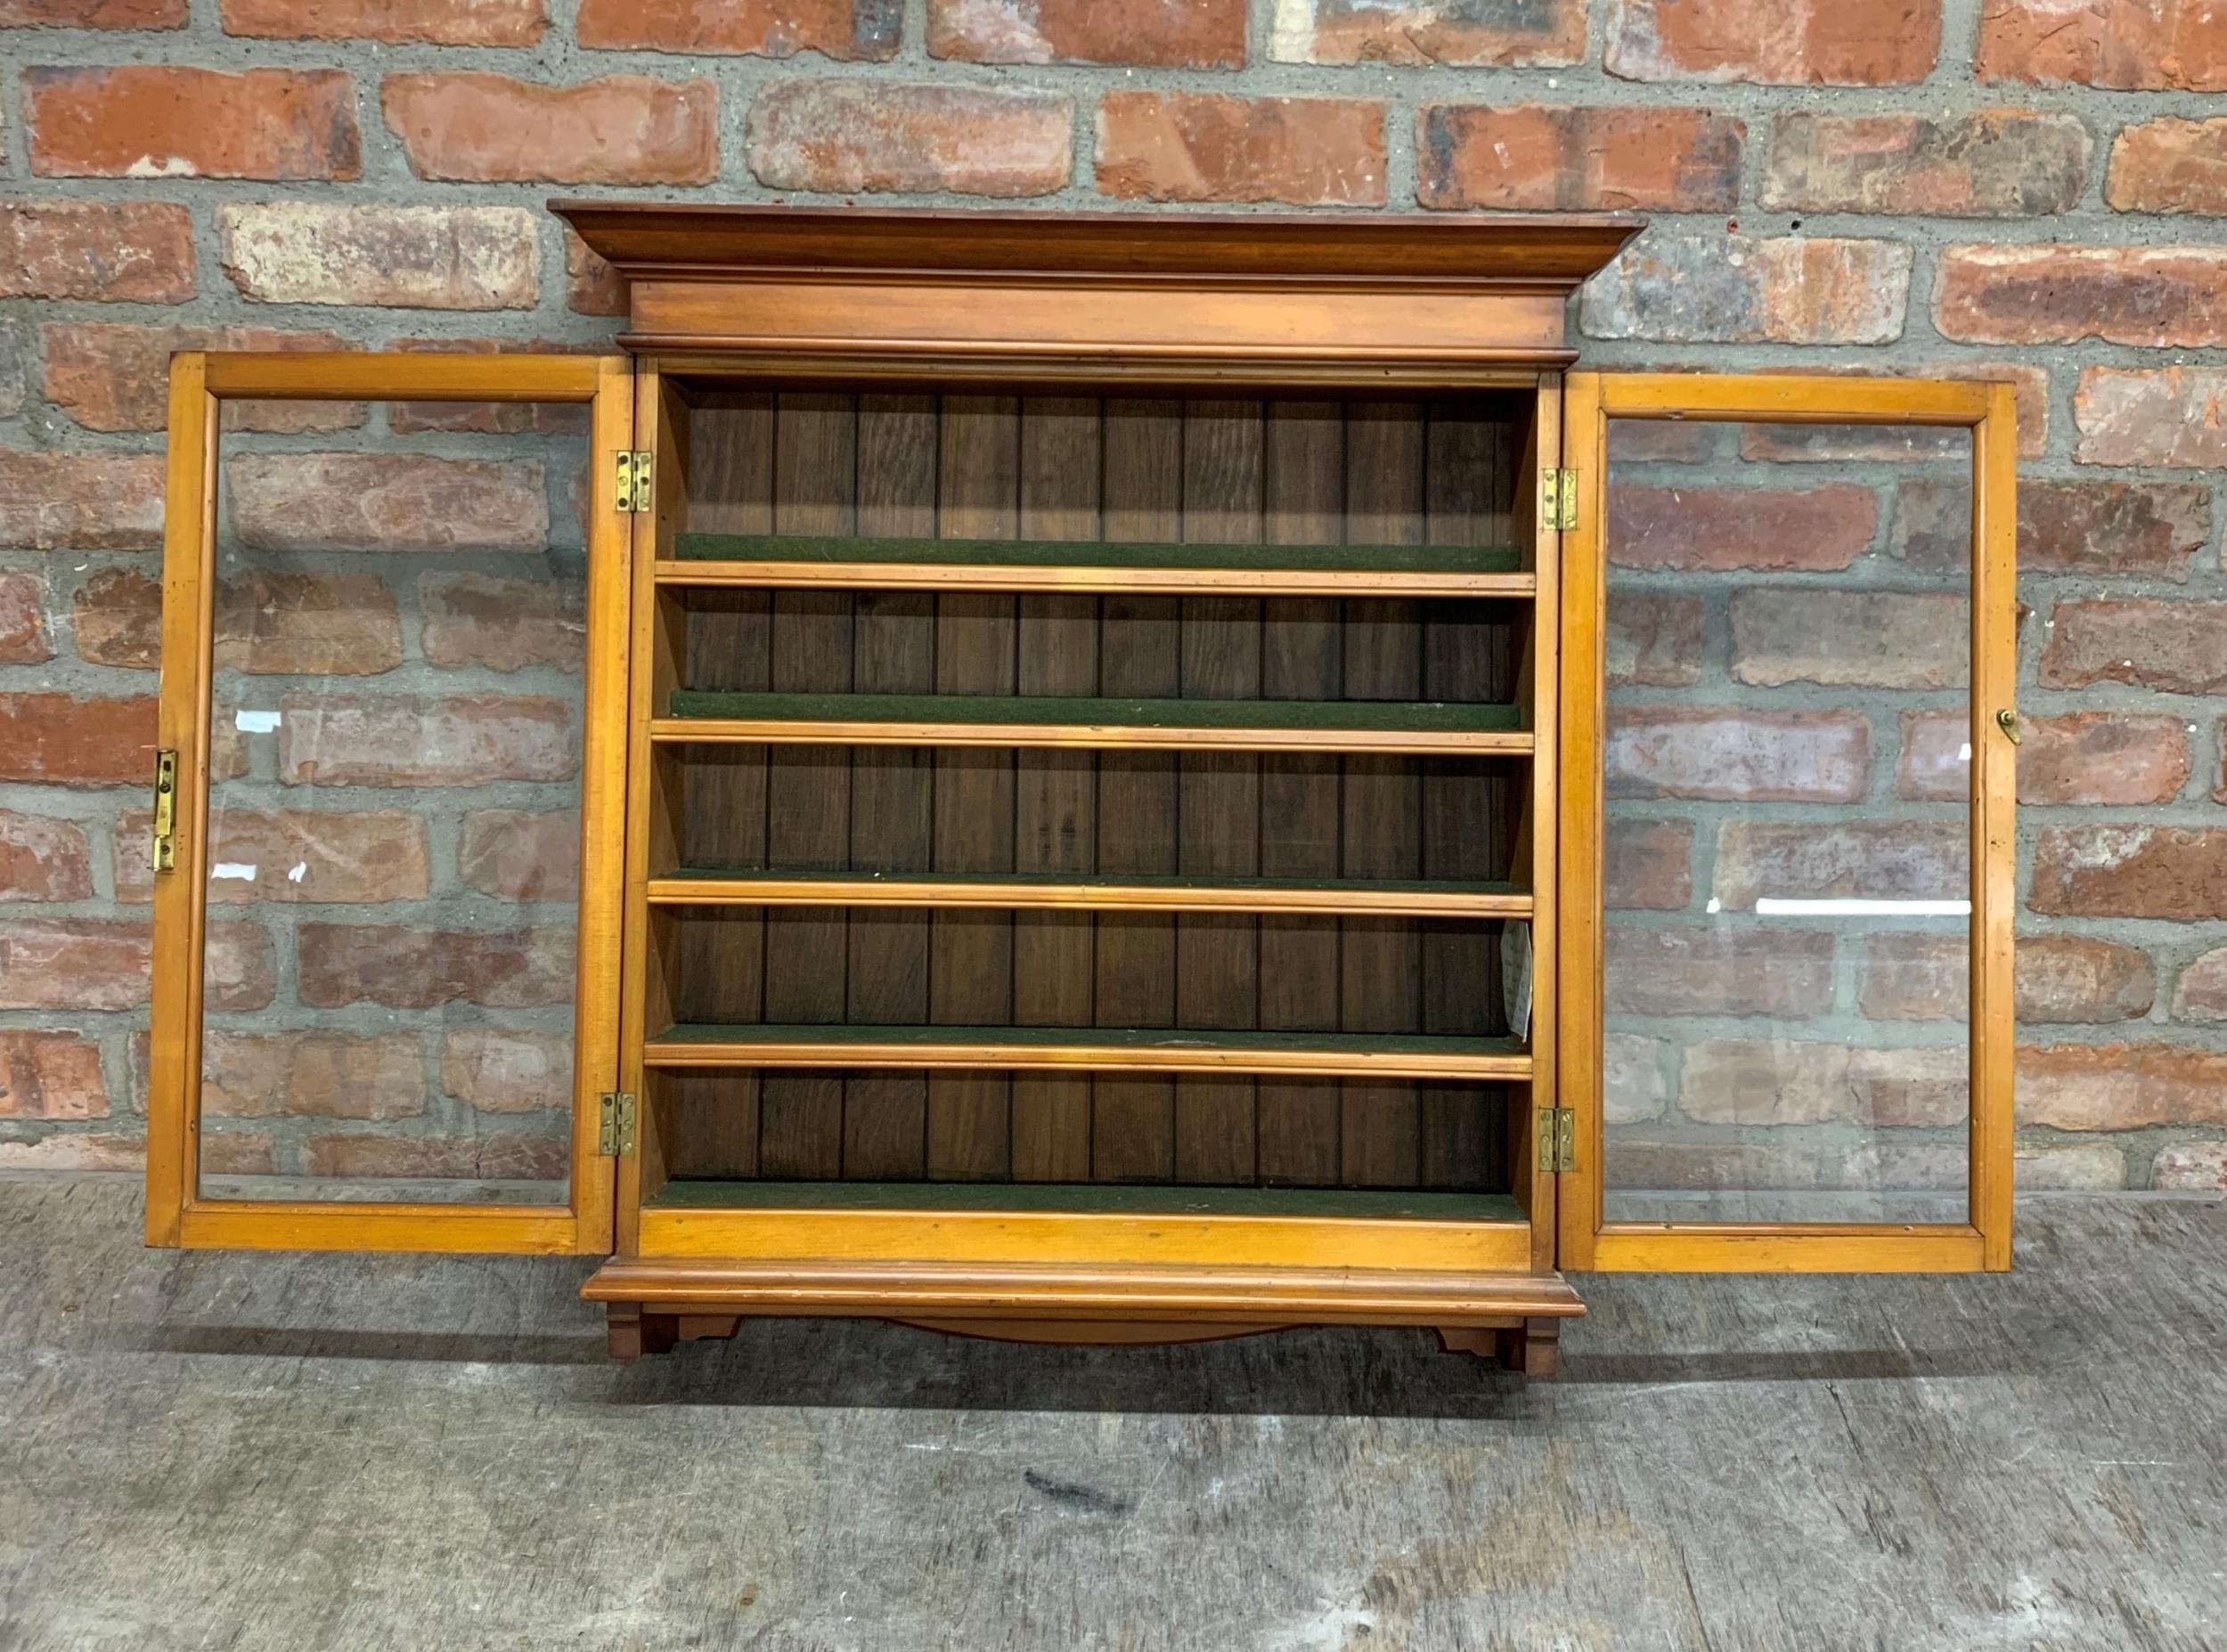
(1388, 727)
(1108, 1198)
(694, 886)
(1066, 1049)
(1082, 566)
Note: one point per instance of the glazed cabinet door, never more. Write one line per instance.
(386, 843)
(1787, 875)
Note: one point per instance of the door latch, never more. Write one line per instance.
(166, 811)
(2007, 720)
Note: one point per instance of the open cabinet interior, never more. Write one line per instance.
(981, 626)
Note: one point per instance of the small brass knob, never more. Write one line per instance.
(2007, 720)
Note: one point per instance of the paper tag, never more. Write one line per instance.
(1515, 977)
(255, 722)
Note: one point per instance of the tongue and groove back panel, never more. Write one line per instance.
(1049, 469)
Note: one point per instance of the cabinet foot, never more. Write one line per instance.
(1532, 1347)
(632, 1333)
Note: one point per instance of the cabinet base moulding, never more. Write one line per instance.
(654, 1303)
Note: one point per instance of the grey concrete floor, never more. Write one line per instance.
(226, 1451)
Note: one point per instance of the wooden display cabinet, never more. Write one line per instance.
(1102, 765)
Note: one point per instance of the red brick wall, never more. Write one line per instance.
(2031, 187)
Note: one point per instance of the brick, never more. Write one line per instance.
(93, 13)
(2084, 757)
(410, 740)
(489, 417)
(1898, 444)
(591, 286)
(497, 1070)
(116, 618)
(1647, 865)
(23, 639)
(113, 376)
(109, 252)
(145, 121)
(2202, 992)
(2154, 296)
(1203, 147)
(485, 1158)
(1653, 641)
(230, 1152)
(322, 856)
(480, 128)
(1779, 1081)
(1866, 859)
(2148, 528)
(64, 739)
(1662, 442)
(1812, 530)
(397, 23)
(1541, 159)
(1710, 752)
(503, 625)
(2180, 648)
(239, 966)
(269, 623)
(76, 1150)
(2169, 164)
(388, 501)
(2152, 416)
(1632, 1085)
(1716, 970)
(1866, 639)
(411, 257)
(51, 1075)
(1198, 34)
(515, 855)
(1996, 163)
(2071, 1167)
(80, 502)
(313, 1075)
(44, 859)
(73, 963)
(848, 30)
(1732, 291)
(1737, 1168)
(2131, 871)
(846, 136)
(2199, 1167)
(2060, 978)
(1458, 33)
(1787, 43)
(2127, 45)
(413, 968)
(275, 622)
(2121, 1086)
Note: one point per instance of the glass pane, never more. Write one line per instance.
(1786, 948)
(394, 798)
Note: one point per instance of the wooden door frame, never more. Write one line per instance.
(200, 384)
(1989, 412)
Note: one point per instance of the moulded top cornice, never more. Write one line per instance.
(685, 242)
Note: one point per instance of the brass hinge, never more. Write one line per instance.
(166, 811)
(617, 1133)
(635, 495)
(1557, 1139)
(1558, 499)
